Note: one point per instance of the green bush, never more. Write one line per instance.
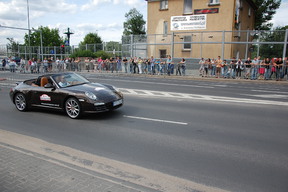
(103, 54)
(83, 53)
(89, 53)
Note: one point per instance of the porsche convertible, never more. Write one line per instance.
(70, 92)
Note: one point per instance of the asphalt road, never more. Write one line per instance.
(227, 134)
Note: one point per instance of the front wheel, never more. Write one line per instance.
(73, 108)
(20, 102)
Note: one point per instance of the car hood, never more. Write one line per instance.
(101, 91)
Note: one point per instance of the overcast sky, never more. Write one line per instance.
(105, 17)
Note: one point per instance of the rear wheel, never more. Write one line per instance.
(20, 102)
(73, 108)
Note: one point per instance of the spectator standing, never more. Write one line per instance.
(134, 63)
(218, 66)
(50, 61)
(261, 70)
(157, 66)
(45, 65)
(146, 64)
(279, 66)
(111, 64)
(267, 64)
(33, 65)
(213, 67)
(22, 65)
(39, 63)
(233, 68)
(254, 68)
(179, 65)
(99, 64)
(224, 68)
(206, 66)
(183, 66)
(209, 65)
(163, 65)
(248, 68)
(170, 66)
(139, 63)
(239, 68)
(57, 62)
(12, 66)
(118, 64)
(201, 68)
(3, 64)
(125, 61)
(152, 64)
(285, 65)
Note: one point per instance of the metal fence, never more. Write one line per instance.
(208, 44)
(193, 45)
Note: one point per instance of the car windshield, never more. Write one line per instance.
(69, 79)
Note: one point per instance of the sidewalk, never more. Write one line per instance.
(26, 171)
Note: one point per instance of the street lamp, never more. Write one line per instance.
(28, 15)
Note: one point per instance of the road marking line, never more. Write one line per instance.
(157, 120)
(201, 97)
(269, 91)
(158, 83)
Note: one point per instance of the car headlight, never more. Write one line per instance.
(90, 95)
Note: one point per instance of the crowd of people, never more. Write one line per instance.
(265, 69)
(135, 65)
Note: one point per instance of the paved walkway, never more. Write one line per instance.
(25, 171)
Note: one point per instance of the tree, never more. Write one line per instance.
(12, 45)
(91, 38)
(134, 24)
(273, 50)
(264, 13)
(50, 37)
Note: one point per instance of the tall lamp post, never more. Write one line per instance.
(28, 15)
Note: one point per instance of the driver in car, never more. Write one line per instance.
(62, 82)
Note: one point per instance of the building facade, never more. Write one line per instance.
(199, 28)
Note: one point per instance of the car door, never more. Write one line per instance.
(44, 97)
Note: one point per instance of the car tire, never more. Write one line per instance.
(73, 108)
(20, 102)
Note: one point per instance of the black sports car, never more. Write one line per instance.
(66, 91)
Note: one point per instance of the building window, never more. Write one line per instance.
(163, 4)
(163, 53)
(249, 12)
(214, 2)
(187, 6)
(165, 28)
(187, 42)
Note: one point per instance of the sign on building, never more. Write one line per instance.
(192, 22)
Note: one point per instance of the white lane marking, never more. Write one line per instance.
(270, 91)
(157, 83)
(275, 96)
(139, 92)
(156, 120)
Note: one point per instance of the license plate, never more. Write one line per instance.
(119, 102)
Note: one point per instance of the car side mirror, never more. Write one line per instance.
(49, 85)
